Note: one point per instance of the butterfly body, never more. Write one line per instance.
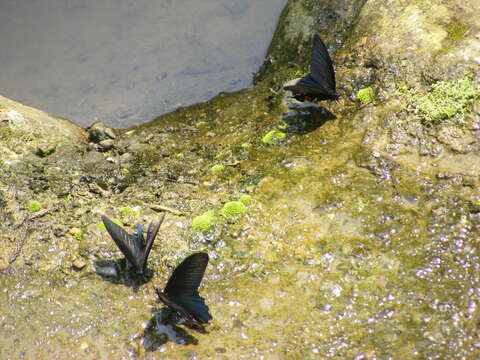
(181, 292)
(320, 83)
(134, 247)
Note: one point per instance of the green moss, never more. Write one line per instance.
(245, 199)
(124, 171)
(446, 102)
(204, 221)
(34, 206)
(233, 208)
(456, 30)
(217, 168)
(365, 95)
(273, 137)
(125, 211)
(100, 225)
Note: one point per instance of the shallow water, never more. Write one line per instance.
(331, 262)
(126, 62)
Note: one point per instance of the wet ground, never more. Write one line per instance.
(342, 254)
(361, 241)
(126, 62)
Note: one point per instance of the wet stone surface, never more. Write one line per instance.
(360, 240)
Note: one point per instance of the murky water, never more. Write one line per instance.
(125, 62)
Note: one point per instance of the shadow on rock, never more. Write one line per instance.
(163, 327)
(116, 272)
(304, 119)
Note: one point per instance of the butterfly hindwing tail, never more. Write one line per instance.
(151, 235)
(181, 291)
(128, 244)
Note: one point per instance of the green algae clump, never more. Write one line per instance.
(100, 225)
(217, 168)
(204, 221)
(125, 211)
(365, 95)
(34, 206)
(273, 137)
(456, 31)
(446, 103)
(233, 208)
(245, 199)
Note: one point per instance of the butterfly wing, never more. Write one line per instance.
(194, 308)
(321, 67)
(308, 86)
(182, 288)
(151, 234)
(187, 276)
(128, 244)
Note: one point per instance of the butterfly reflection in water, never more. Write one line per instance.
(319, 84)
(134, 247)
(181, 293)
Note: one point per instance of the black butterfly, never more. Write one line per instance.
(181, 293)
(320, 83)
(134, 247)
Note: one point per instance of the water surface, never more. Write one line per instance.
(125, 62)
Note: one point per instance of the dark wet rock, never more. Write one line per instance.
(45, 149)
(137, 147)
(132, 144)
(106, 144)
(99, 131)
(126, 159)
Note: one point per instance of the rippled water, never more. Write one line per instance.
(125, 62)
(330, 262)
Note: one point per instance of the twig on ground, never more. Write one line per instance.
(26, 227)
(164, 208)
